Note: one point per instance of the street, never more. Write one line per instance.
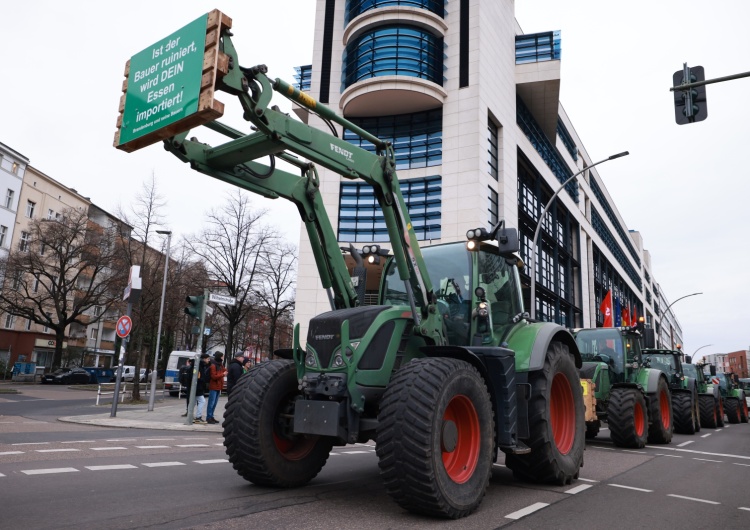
(61, 475)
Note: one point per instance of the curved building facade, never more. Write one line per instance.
(471, 105)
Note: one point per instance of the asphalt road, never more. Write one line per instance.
(59, 475)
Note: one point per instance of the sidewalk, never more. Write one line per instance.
(164, 417)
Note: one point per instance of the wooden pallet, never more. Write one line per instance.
(215, 66)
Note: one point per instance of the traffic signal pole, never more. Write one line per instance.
(198, 350)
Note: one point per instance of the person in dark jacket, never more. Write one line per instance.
(235, 371)
(201, 387)
(186, 379)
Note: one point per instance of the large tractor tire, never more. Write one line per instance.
(732, 408)
(697, 408)
(720, 412)
(627, 418)
(592, 429)
(436, 437)
(743, 409)
(556, 422)
(684, 413)
(709, 412)
(660, 418)
(258, 429)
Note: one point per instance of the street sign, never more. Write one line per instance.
(222, 299)
(209, 310)
(123, 327)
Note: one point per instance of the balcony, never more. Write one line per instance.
(538, 77)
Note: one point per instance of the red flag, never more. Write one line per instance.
(606, 308)
(625, 316)
(634, 318)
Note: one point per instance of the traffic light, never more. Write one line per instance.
(690, 104)
(196, 306)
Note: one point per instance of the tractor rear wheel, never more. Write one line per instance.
(556, 422)
(684, 413)
(627, 418)
(258, 429)
(720, 413)
(743, 409)
(660, 426)
(436, 437)
(697, 408)
(709, 415)
(733, 410)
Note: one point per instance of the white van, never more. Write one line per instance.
(177, 359)
(127, 373)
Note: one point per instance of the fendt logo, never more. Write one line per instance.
(324, 337)
(347, 154)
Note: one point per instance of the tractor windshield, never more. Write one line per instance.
(601, 344)
(662, 361)
(691, 371)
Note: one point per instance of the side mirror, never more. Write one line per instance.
(688, 359)
(712, 369)
(507, 241)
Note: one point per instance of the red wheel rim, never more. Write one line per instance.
(638, 419)
(664, 409)
(745, 407)
(462, 461)
(295, 449)
(562, 413)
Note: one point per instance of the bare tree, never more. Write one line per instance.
(275, 292)
(231, 247)
(64, 269)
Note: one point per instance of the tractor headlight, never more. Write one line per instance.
(338, 361)
(310, 361)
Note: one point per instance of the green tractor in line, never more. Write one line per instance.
(445, 372)
(633, 398)
(685, 405)
(733, 400)
(709, 397)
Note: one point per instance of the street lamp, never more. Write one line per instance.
(692, 357)
(667, 309)
(168, 233)
(532, 309)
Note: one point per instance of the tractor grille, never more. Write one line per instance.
(324, 334)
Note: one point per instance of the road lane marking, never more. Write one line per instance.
(81, 442)
(717, 430)
(107, 448)
(604, 448)
(526, 511)
(705, 435)
(587, 479)
(603, 428)
(691, 499)
(630, 488)
(1, 475)
(11, 453)
(121, 440)
(32, 443)
(215, 461)
(158, 439)
(683, 444)
(193, 445)
(737, 464)
(707, 460)
(152, 447)
(499, 465)
(49, 471)
(355, 452)
(162, 464)
(746, 509)
(692, 451)
(114, 466)
(670, 456)
(636, 452)
(70, 450)
(578, 489)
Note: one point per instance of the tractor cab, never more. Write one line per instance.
(668, 361)
(617, 348)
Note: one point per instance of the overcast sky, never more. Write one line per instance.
(685, 188)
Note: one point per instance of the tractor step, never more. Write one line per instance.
(519, 449)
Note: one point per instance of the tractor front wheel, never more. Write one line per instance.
(709, 415)
(556, 422)
(660, 426)
(743, 409)
(720, 412)
(258, 429)
(436, 437)
(733, 410)
(592, 429)
(684, 413)
(627, 418)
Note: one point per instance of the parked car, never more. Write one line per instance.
(68, 376)
(127, 373)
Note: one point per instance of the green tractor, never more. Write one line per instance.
(443, 373)
(709, 398)
(631, 397)
(684, 389)
(732, 396)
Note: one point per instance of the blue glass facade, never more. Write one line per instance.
(303, 77)
(538, 47)
(361, 219)
(355, 8)
(393, 50)
(417, 138)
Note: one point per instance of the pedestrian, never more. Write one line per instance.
(215, 385)
(235, 371)
(186, 379)
(201, 387)
(246, 365)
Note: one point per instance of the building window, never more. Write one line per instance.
(303, 77)
(3, 235)
(355, 8)
(36, 284)
(538, 47)
(30, 207)
(361, 218)
(23, 244)
(28, 324)
(493, 209)
(394, 50)
(14, 168)
(9, 199)
(10, 320)
(417, 138)
(45, 329)
(97, 310)
(50, 214)
(93, 333)
(492, 151)
(567, 139)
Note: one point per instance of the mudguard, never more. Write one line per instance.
(649, 379)
(535, 337)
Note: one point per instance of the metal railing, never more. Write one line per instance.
(126, 389)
